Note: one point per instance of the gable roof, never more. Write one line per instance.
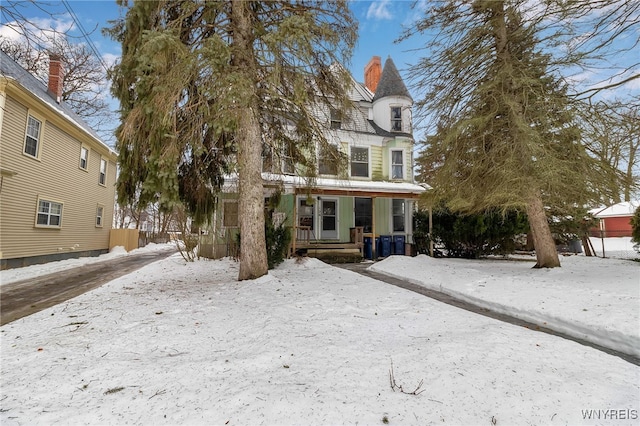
(618, 210)
(12, 70)
(391, 83)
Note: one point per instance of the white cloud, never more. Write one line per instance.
(39, 30)
(110, 59)
(379, 10)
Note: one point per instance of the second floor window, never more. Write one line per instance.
(360, 162)
(397, 169)
(396, 119)
(103, 172)
(327, 162)
(336, 119)
(84, 158)
(32, 139)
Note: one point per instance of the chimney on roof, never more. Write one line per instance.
(372, 73)
(56, 74)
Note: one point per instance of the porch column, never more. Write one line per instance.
(294, 228)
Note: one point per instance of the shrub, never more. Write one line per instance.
(278, 239)
(635, 226)
(469, 235)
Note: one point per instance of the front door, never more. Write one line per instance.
(328, 219)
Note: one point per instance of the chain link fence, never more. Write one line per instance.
(612, 244)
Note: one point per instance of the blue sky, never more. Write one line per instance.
(379, 21)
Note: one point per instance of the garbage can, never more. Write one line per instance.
(398, 245)
(575, 246)
(385, 246)
(367, 248)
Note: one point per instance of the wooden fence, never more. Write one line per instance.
(127, 238)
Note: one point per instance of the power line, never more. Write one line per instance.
(85, 34)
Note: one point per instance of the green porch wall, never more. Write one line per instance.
(345, 212)
(382, 209)
(286, 207)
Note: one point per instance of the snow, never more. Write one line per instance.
(588, 298)
(626, 208)
(185, 343)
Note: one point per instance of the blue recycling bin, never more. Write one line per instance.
(368, 254)
(398, 245)
(385, 246)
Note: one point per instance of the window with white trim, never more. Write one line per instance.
(397, 212)
(103, 172)
(359, 162)
(396, 119)
(336, 119)
(328, 161)
(49, 214)
(288, 165)
(84, 158)
(397, 164)
(99, 215)
(32, 138)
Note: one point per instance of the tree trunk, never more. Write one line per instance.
(586, 245)
(253, 251)
(546, 252)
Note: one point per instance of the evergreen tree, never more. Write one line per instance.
(206, 86)
(506, 135)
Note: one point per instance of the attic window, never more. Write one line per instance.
(396, 119)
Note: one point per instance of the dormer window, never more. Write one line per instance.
(396, 119)
(336, 119)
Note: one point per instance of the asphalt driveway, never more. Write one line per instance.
(23, 298)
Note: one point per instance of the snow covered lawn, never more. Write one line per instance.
(588, 297)
(177, 343)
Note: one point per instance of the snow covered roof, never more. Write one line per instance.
(291, 183)
(626, 208)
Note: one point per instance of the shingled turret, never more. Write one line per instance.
(391, 83)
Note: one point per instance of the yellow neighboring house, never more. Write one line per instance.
(57, 185)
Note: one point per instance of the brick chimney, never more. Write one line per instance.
(56, 74)
(372, 73)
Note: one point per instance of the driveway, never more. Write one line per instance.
(23, 298)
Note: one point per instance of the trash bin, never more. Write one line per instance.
(575, 246)
(385, 246)
(398, 245)
(367, 248)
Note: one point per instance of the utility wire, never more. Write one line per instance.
(85, 34)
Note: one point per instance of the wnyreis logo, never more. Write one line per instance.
(621, 414)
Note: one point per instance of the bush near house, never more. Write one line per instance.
(635, 226)
(469, 235)
(277, 235)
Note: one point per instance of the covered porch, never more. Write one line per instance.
(372, 218)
